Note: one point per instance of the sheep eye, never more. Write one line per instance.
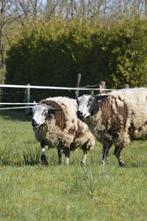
(44, 113)
(90, 101)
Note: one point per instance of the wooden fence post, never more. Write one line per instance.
(27, 97)
(126, 86)
(78, 84)
(101, 86)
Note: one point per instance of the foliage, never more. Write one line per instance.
(128, 54)
(53, 53)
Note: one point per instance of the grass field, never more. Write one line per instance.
(30, 191)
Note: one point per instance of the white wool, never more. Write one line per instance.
(69, 102)
(136, 100)
(133, 96)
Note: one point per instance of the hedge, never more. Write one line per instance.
(55, 52)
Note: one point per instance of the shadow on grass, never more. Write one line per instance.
(27, 160)
(19, 115)
(137, 165)
(30, 159)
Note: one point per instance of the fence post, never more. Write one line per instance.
(27, 97)
(126, 86)
(101, 86)
(78, 84)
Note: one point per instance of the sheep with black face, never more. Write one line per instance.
(55, 124)
(116, 118)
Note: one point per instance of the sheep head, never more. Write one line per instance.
(88, 105)
(40, 113)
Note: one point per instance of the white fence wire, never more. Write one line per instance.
(3, 103)
(28, 87)
(15, 108)
(51, 87)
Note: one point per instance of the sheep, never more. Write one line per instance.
(55, 124)
(118, 118)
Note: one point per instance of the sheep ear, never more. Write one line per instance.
(52, 110)
(100, 98)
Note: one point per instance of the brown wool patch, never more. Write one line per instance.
(107, 111)
(79, 132)
(59, 115)
(71, 130)
(123, 111)
(131, 129)
(141, 128)
(63, 104)
(111, 118)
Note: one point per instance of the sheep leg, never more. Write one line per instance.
(60, 155)
(105, 152)
(85, 147)
(117, 153)
(42, 154)
(67, 155)
(59, 147)
(83, 161)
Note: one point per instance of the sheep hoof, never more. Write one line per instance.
(44, 160)
(122, 163)
(103, 162)
(82, 163)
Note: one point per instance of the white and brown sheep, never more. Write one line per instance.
(116, 118)
(55, 124)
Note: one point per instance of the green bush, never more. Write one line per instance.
(54, 53)
(128, 49)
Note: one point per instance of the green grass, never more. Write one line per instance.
(30, 191)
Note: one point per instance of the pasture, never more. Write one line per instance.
(30, 191)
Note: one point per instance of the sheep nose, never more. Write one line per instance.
(80, 115)
(34, 123)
